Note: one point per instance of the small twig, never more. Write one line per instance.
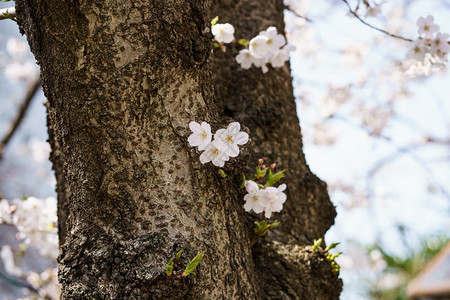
(31, 91)
(374, 27)
(398, 153)
(17, 282)
(8, 13)
(297, 14)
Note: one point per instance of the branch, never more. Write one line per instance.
(31, 91)
(8, 13)
(398, 153)
(298, 15)
(17, 282)
(373, 27)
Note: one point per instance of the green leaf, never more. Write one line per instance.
(243, 181)
(244, 42)
(260, 173)
(274, 178)
(331, 257)
(222, 173)
(169, 267)
(261, 228)
(214, 21)
(179, 255)
(316, 244)
(193, 264)
(332, 246)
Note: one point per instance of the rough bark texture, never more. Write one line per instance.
(266, 105)
(62, 190)
(123, 80)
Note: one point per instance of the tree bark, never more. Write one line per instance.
(123, 81)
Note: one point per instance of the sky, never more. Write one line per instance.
(339, 51)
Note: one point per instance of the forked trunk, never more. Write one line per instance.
(123, 80)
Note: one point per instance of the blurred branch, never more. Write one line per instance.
(31, 91)
(17, 282)
(297, 14)
(8, 13)
(399, 152)
(355, 14)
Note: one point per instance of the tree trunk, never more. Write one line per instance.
(123, 80)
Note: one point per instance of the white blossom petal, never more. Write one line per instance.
(234, 127)
(201, 135)
(215, 154)
(259, 47)
(241, 138)
(195, 127)
(223, 33)
(251, 187)
(245, 59)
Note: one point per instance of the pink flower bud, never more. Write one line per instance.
(263, 167)
(260, 161)
(272, 166)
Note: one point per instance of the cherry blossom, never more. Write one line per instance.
(224, 145)
(427, 26)
(274, 198)
(245, 59)
(201, 135)
(255, 199)
(275, 40)
(16, 47)
(230, 138)
(20, 71)
(223, 33)
(279, 58)
(214, 153)
(267, 47)
(251, 187)
(439, 43)
(260, 47)
(417, 50)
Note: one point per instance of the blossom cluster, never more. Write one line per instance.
(268, 200)
(430, 41)
(224, 145)
(264, 198)
(18, 63)
(36, 221)
(268, 47)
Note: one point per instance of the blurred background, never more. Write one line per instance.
(376, 128)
